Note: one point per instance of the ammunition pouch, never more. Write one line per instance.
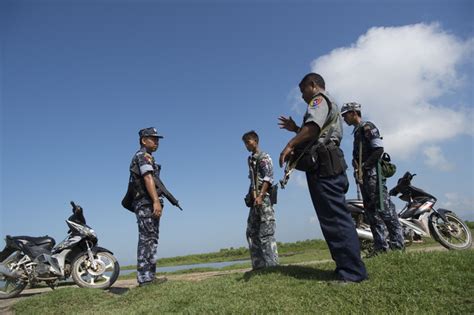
(273, 194)
(248, 200)
(328, 160)
(308, 161)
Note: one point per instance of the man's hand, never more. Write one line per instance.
(285, 154)
(288, 124)
(258, 201)
(157, 209)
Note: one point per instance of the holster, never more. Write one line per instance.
(330, 160)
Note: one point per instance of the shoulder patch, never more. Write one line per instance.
(148, 157)
(316, 101)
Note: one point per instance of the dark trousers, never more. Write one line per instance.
(381, 221)
(328, 196)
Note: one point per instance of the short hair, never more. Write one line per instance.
(314, 77)
(250, 135)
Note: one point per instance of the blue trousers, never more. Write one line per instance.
(329, 201)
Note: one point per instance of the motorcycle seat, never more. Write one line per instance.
(417, 193)
(42, 240)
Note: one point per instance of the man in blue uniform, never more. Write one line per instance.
(327, 180)
(261, 219)
(147, 205)
(379, 209)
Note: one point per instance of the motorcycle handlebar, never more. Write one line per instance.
(403, 181)
(76, 208)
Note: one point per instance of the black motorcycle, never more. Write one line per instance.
(29, 260)
(418, 218)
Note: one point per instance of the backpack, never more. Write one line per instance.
(128, 198)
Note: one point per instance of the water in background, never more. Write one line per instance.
(186, 267)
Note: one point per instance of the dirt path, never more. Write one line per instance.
(122, 286)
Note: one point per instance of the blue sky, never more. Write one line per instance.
(80, 78)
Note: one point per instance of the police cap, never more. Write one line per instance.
(149, 132)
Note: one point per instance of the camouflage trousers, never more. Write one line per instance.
(380, 220)
(148, 230)
(261, 236)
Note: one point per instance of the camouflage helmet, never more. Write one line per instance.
(350, 107)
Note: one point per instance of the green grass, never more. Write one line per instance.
(304, 251)
(241, 253)
(285, 250)
(427, 283)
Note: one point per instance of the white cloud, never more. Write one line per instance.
(404, 77)
(462, 205)
(436, 159)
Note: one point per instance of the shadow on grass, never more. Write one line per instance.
(118, 290)
(297, 272)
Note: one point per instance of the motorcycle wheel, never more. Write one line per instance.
(453, 234)
(10, 287)
(102, 277)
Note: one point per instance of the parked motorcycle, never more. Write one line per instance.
(29, 260)
(418, 218)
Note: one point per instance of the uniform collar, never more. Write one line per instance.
(257, 155)
(143, 149)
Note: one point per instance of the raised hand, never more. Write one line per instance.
(287, 123)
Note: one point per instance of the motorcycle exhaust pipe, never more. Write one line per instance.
(8, 273)
(366, 235)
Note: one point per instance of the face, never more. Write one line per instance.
(150, 143)
(251, 144)
(308, 90)
(349, 118)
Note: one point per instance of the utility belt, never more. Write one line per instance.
(325, 159)
(272, 194)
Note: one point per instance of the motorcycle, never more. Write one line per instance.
(29, 260)
(418, 219)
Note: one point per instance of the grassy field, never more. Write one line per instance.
(289, 253)
(431, 282)
(231, 254)
(316, 248)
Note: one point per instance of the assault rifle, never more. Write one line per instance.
(253, 177)
(310, 147)
(162, 191)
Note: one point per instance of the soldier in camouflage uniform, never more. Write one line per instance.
(147, 205)
(261, 220)
(368, 148)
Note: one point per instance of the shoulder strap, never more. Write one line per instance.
(329, 124)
